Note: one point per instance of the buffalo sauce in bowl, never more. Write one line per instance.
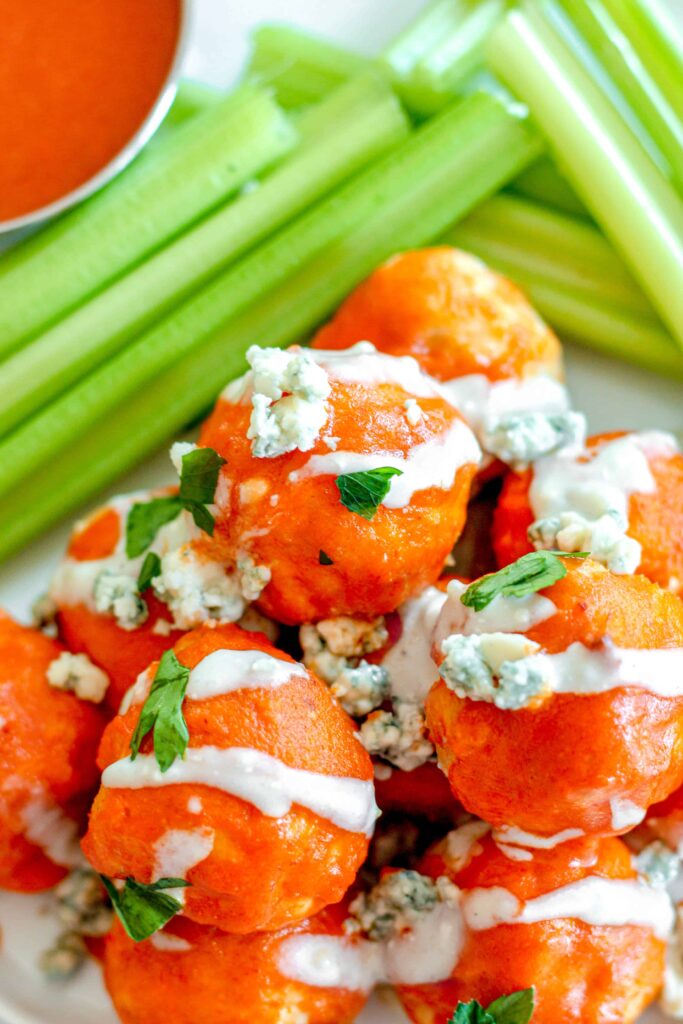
(78, 81)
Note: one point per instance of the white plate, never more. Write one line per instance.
(612, 394)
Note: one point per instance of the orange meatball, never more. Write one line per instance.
(593, 949)
(449, 311)
(121, 653)
(655, 515)
(47, 762)
(268, 812)
(285, 513)
(599, 737)
(424, 791)
(210, 976)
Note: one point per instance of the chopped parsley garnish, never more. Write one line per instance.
(527, 575)
(364, 492)
(151, 567)
(324, 558)
(516, 1008)
(198, 482)
(144, 909)
(162, 713)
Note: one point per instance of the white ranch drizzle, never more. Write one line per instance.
(626, 814)
(409, 662)
(177, 851)
(480, 400)
(167, 943)
(331, 961)
(511, 836)
(502, 615)
(613, 902)
(50, 829)
(433, 463)
(363, 364)
(256, 777)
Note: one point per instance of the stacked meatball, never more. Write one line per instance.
(316, 756)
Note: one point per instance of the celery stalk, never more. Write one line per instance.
(274, 296)
(543, 183)
(655, 116)
(301, 68)
(648, 27)
(349, 129)
(573, 277)
(192, 98)
(636, 206)
(429, 62)
(570, 252)
(181, 178)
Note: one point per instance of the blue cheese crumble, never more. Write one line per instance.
(520, 438)
(116, 593)
(493, 667)
(76, 673)
(605, 538)
(334, 649)
(398, 736)
(658, 864)
(289, 392)
(397, 903)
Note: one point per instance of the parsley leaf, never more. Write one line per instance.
(151, 567)
(516, 1008)
(471, 1013)
(198, 482)
(144, 909)
(199, 476)
(162, 712)
(324, 558)
(528, 574)
(365, 491)
(145, 519)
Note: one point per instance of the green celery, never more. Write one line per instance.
(129, 406)
(300, 67)
(181, 178)
(635, 205)
(432, 59)
(354, 125)
(192, 98)
(647, 25)
(656, 121)
(570, 252)
(586, 308)
(543, 183)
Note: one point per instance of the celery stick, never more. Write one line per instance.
(655, 114)
(280, 291)
(570, 252)
(184, 176)
(349, 129)
(192, 98)
(649, 29)
(544, 183)
(301, 68)
(432, 60)
(635, 205)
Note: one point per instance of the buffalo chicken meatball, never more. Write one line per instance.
(268, 810)
(472, 329)
(346, 480)
(47, 755)
(207, 975)
(620, 497)
(573, 921)
(562, 708)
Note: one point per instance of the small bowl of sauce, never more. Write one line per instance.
(85, 84)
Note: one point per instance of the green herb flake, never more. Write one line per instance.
(145, 519)
(527, 575)
(198, 482)
(516, 1008)
(324, 558)
(144, 909)
(151, 567)
(162, 713)
(365, 491)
